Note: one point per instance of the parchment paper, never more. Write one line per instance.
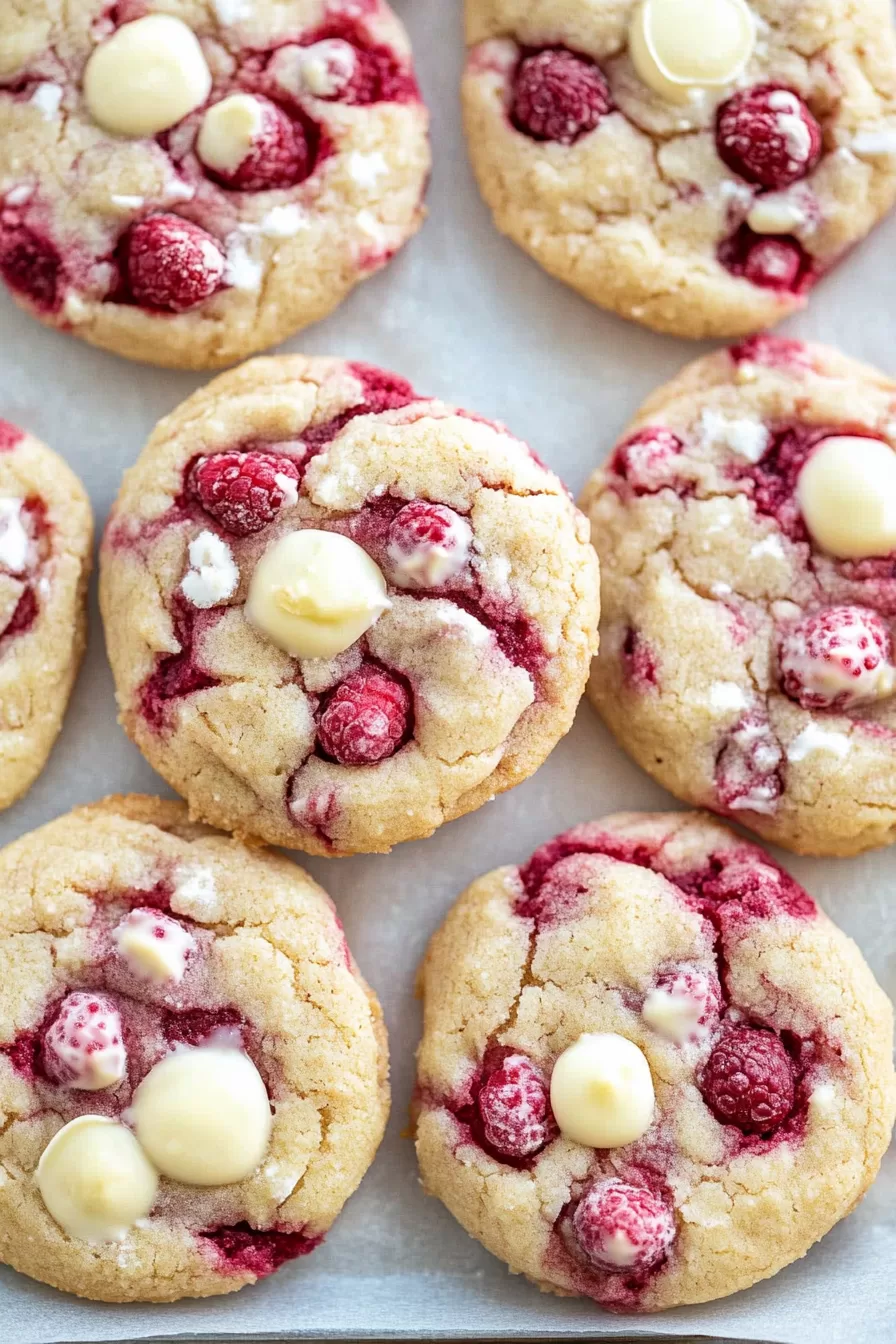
(465, 316)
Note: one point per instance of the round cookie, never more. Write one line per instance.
(339, 613)
(743, 664)
(764, 1094)
(46, 535)
(191, 186)
(706, 205)
(193, 1073)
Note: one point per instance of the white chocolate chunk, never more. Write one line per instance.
(13, 537)
(675, 1016)
(747, 438)
(814, 738)
(314, 593)
(47, 97)
(203, 1116)
(602, 1091)
(213, 575)
(242, 270)
(228, 131)
(327, 67)
(96, 1180)
(847, 496)
(147, 77)
(154, 945)
(776, 213)
(874, 144)
(679, 47)
(195, 893)
(727, 695)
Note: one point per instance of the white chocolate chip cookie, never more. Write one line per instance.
(46, 535)
(746, 526)
(175, 1126)
(189, 186)
(339, 613)
(696, 165)
(652, 1072)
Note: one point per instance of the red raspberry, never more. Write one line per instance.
(774, 263)
(10, 436)
(366, 718)
(837, 658)
(23, 616)
(768, 136)
(31, 266)
(514, 1106)
(428, 544)
(559, 96)
(84, 1047)
(244, 491)
(279, 156)
(748, 1080)
(644, 460)
(171, 264)
(623, 1227)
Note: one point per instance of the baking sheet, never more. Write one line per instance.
(465, 316)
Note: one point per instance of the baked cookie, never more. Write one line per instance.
(46, 536)
(747, 531)
(696, 165)
(652, 1072)
(339, 613)
(186, 187)
(193, 1073)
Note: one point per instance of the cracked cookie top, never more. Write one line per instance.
(340, 614)
(46, 534)
(138, 958)
(708, 204)
(191, 186)
(747, 536)
(763, 1097)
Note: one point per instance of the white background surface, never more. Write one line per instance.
(466, 317)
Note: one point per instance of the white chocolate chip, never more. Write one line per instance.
(776, 213)
(213, 575)
(746, 438)
(231, 11)
(95, 1179)
(128, 202)
(874, 144)
(47, 98)
(147, 77)
(327, 67)
(770, 545)
(284, 221)
(682, 47)
(242, 270)
(847, 496)
(815, 738)
(724, 695)
(14, 542)
(154, 945)
(228, 131)
(195, 893)
(822, 1099)
(675, 1016)
(19, 195)
(602, 1091)
(367, 169)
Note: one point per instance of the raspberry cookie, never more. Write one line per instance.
(188, 187)
(696, 165)
(339, 613)
(652, 1072)
(747, 529)
(192, 1070)
(46, 534)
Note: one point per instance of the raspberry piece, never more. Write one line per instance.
(768, 136)
(366, 718)
(748, 1080)
(514, 1107)
(279, 155)
(428, 544)
(837, 658)
(84, 1047)
(747, 768)
(24, 615)
(559, 96)
(172, 265)
(623, 1227)
(244, 491)
(774, 263)
(32, 267)
(683, 1005)
(644, 460)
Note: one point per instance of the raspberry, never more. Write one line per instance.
(172, 265)
(559, 96)
(244, 491)
(837, 658)
(514, 1108)
(623, 1227)
(774, 263)
(428, 544)
(747, 768)
(683, 1005)
(645, 458)
(279, 156)
(748, 1080)
(768, 136)
(32, 267)
(366, 718)
(84, 1047)
(24, 615)
(10, 436)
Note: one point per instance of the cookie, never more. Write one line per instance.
(46, 535)
(746, 527)
(191, 186)
(696, 165)
(193, 1073)
(339, 613)
(652, 1071)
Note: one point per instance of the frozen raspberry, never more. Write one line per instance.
(683, 1005)
(559, 96)
(645, 460)
(244, 491)
(774, 263)
(514, 1107)
(623, 1227)
(837, 658)
(748, 775)
(171, 264)
(366, 719)
(32, 267)
(84, 1047)
(748, 1080)
(428, 544)
(279, 156)
(768, 136)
